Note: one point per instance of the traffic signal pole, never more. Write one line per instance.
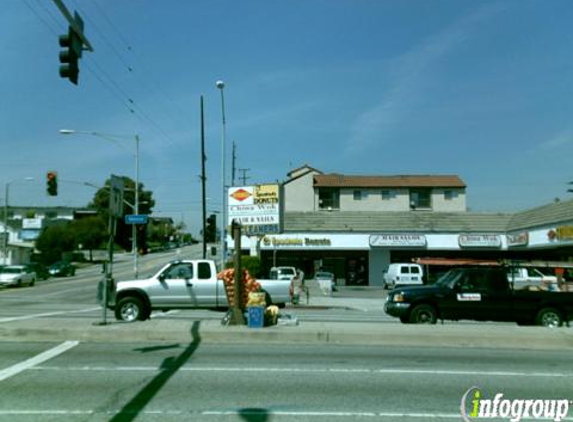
(73, 23)
(203, 180)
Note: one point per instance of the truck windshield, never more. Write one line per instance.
(449, 278)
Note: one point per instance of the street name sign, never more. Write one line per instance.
(136, 219)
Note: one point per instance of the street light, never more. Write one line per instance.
(221, 86)
(113, 138)
(6, 193)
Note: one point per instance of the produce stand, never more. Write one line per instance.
(252, 299)
(248, 285)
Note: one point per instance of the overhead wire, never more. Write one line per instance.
(104, 78)
(39, 16)
(118, 91)
(168, 100)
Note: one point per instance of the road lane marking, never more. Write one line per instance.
(316, 370)
(276, 414)
(48, 314)
(36, 360)
(242, 413)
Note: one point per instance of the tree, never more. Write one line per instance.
(124, 231)
(90, 233)
(55, 241)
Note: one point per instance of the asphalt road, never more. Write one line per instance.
(76, 295)
(176, 382)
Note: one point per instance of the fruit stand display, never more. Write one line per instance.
(248, 283)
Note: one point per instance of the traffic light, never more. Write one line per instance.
(70, 55)
(52, 183)
(210, 234)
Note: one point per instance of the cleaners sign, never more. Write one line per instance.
(257, 208)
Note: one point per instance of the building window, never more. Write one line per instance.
(420, 198)
(328, 199)
(386, 195)
(449, 195)
(360, 195)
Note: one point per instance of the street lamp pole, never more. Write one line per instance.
(5, 240)
(221, 86)
(136, 208)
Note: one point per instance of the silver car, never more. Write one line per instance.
(17, 275)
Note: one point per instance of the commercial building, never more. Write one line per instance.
(355, 226)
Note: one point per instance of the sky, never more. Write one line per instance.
(480, 89)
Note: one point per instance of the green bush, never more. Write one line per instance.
(251, 263)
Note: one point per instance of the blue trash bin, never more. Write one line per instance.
(256, 316)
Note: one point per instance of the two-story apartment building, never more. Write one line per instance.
(308, 189)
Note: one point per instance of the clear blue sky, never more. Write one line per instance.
(481, 89)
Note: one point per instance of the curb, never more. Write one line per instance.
(212, 332)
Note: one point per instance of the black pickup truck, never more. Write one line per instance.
(481, 294)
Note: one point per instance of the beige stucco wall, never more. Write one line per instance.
(399, 200)
(456, 204)
(299, 194)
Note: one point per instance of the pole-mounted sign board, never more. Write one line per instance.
(116, 197)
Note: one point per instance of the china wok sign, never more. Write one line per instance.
(257, 208)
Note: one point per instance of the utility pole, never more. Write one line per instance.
(233, 164)
(244, 177)
(203, 179)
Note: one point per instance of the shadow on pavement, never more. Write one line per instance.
(169, 367)
(254, 414)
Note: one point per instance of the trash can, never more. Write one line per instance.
(256, 316)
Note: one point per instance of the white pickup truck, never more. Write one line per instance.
(183, 284)
(526, 277)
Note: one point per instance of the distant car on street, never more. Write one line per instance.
(17, 275)
(62, 269)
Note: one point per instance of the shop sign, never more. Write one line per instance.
(565, 233)
(398, 240)
(32, 223)
(303, 242)
(479, 241)
(256, 208)
(518, 239)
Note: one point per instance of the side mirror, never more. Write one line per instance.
(162, 277)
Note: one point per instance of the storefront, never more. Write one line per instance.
(359, 247)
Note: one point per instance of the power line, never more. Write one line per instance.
(44, 21)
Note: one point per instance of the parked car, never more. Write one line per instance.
(326, 280)
(42, 272)
(17, 275)
(62, 269)
(283, 273)
(403, 275)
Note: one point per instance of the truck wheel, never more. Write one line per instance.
(549, 317)
(130, 309)
(423, 314)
